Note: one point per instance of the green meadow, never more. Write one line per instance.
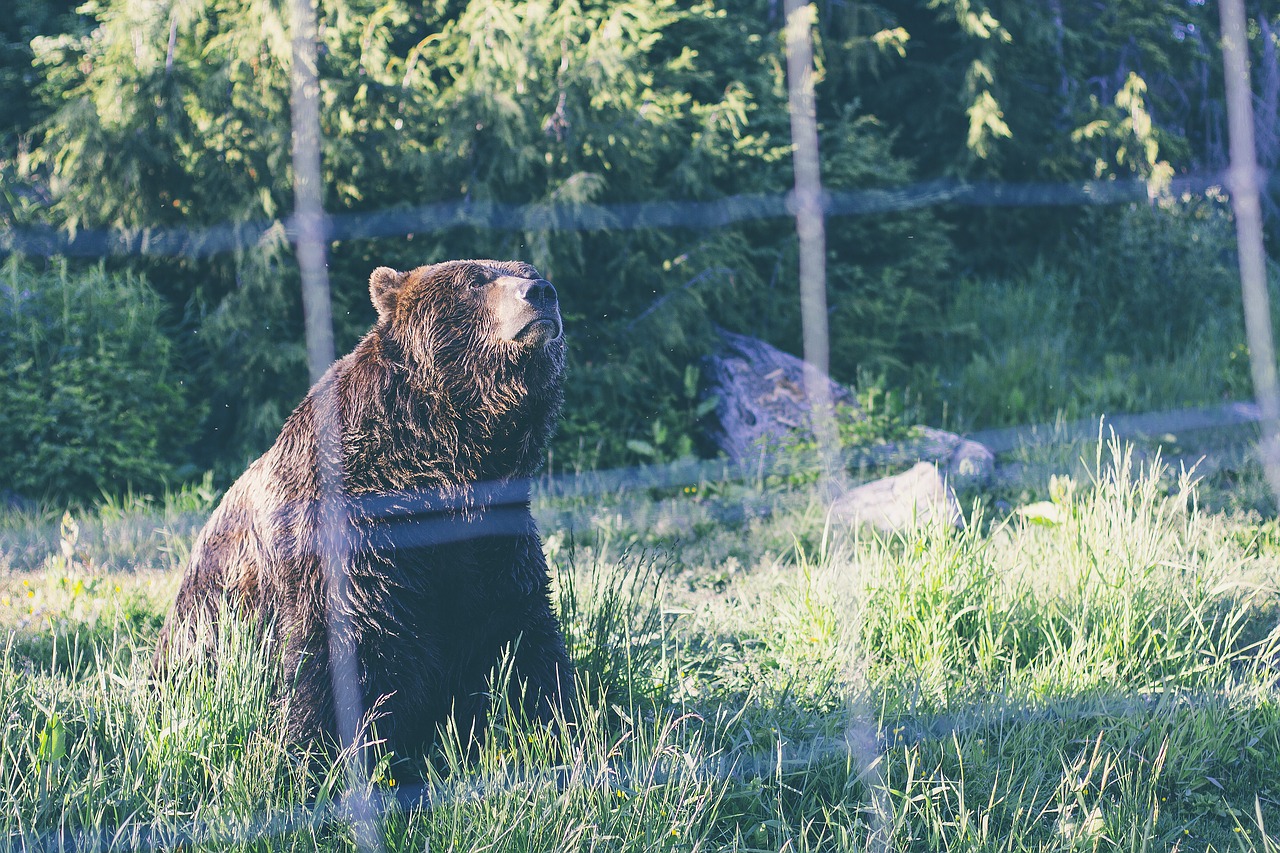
(1092, 669)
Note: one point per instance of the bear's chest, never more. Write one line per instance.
(431, 637)
(445, 583)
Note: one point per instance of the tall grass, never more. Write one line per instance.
(1095, 672)
(1033, 347)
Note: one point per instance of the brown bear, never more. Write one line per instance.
(446, 407)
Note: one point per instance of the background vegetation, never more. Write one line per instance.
(175, 115)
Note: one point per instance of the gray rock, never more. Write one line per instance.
(915, 498)
(762, 404)
(762, 407)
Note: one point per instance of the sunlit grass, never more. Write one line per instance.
(1093, 673)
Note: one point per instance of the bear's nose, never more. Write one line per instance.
(539, 293)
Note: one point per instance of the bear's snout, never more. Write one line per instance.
(526, 309)
(539, 293)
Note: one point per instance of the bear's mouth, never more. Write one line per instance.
(540, 330)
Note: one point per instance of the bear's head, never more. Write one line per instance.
(482, 337)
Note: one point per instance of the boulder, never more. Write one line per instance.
(915, 498)
(761, 399)
(762, 407)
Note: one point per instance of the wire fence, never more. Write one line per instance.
(311, 229)
(199, 242)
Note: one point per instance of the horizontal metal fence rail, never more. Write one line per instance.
(198, 242)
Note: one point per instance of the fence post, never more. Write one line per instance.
(807, 204)
(1243, 183)
(310, 239)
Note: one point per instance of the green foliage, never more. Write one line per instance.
(887, 275)
(571, 104)
(1139, 315)
(1112, 612)
(93, 401)
(882, 417)
(176, 115)
(1150, 276)
(1011, 88)
(25, 19)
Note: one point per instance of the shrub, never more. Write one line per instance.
(1138, 310)
(1150, 276)
(91, 402)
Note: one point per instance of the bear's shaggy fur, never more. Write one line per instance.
(446, 407)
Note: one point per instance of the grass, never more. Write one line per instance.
(1093, 674)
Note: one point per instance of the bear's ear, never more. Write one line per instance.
(384, 287)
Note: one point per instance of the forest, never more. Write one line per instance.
(150, 313)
